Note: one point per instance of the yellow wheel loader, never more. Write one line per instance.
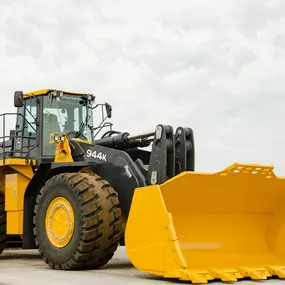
(75, 196)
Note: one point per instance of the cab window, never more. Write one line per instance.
(30, 115)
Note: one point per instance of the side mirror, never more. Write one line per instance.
(18, 99)
(108, 110)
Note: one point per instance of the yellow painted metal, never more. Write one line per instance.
(16, 161)
(25, 170)
(45, 91)
(204, 226)
(14, 222)
(59, 222)
(62, 151)
(83, 141)
(15, 187)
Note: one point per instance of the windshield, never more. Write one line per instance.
(64, 116)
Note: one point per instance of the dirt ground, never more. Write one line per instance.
(19, 267)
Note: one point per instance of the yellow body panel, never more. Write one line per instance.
(62, 150)
(16, 161)
(26, 170)
(14, 224)
(45, 91)
(83, 141)
(15, 187)
(204, 226)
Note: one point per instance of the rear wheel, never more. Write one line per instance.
(2, 223)
(77, 221)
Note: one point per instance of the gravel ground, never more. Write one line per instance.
(24, 267)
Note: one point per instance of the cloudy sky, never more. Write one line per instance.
(216, 66)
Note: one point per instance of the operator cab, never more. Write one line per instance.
(47, 112)
(68, 114)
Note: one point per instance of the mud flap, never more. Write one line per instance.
(205, 226)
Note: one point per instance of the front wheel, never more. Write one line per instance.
(78, 223)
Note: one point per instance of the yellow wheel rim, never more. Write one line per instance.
(59, 222)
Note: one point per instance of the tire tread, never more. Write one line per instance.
(100, 235)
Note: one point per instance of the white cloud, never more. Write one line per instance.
(216, 66)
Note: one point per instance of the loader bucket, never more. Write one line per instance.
(205, 226)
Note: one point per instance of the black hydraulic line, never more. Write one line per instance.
(124, 140)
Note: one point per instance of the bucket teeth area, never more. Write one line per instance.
(227, 275)
(255, 273)
(277, 271)
(197, 277)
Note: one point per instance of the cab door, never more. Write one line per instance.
(27, 129)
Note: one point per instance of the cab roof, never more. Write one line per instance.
(46, 91)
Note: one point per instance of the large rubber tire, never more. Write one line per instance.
(97, 218)
(2, 223)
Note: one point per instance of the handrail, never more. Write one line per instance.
(21, 115)
(10, 151)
